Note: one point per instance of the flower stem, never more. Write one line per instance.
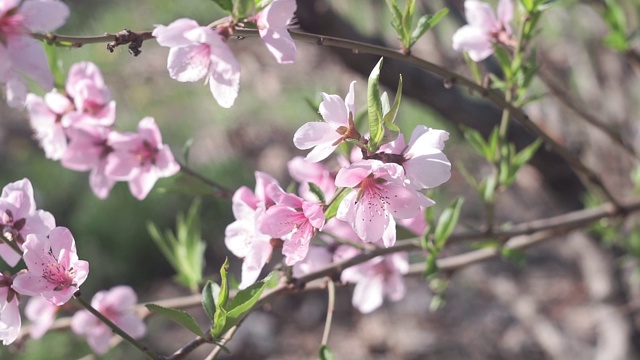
(143, 349)
(12, 244)
(331, 290)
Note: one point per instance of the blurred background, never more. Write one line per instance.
(576, 297)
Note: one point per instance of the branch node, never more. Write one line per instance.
(127, 36)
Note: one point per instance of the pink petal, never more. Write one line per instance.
(10, 321)
(189, 63)
(353, 175)
(334, 110)
(280, 44)
(28, 57)
(371, 219)
(173, 34)
(394, 286)
(254, 262)
(224, 78)
(277, 221)
(473, 40)
(367, 295)
(132, 325)
(424, 140)
(315, 133)
(141, 184)
(42, 314)
(428, 171)
(505, 11)
(165, 163)
(100, 183)
(481, 15)
(44, 15)
(16, 89)
(349, 100)
(120, 297)
(10, 256)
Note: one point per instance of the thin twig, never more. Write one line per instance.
(563, 96)
(331, 293)
(220, 191)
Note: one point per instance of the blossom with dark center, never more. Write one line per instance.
(54, 270)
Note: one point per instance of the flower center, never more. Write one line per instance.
(10, 228)
(147, 154)
(56, 273)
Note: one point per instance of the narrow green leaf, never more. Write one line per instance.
(491, 151)
(179, 316)
(219, 322)
(223, 297)
(333, 206)
(315, 189)
(208, 298)
(425, 23)
(226, 5)
(396, 14)
(475, 140)
(431, 267)
(242, 9)
(407, 18)
(374, 108)
(392, 112)
(447, 222)
(527, 153)
(243, 302)
(325, 353)
(617, 41)
(55, 64)
(488, 187)
(504, 60)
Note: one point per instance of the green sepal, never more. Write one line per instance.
(332, 209)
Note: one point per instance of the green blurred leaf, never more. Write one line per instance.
(242, 304)
(179, 316)
(333, 206)
(220, 315)
(447, 222)
(315, 189)
(617, 41)
(210, 292)
(376, 130)
(391, 130)
(55, 64)
(226, 5)
(425, 23)
(407, 19)
(325, 353)
(184, 250)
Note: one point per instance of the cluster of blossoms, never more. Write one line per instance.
(199, 51)
(53, 274)
(484, 29)
(20, 54)
(384, 189)
(75, 127)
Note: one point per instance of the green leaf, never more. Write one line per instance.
(55, 64)
(325, 353)
(425, 23)
(527, 153)
(226, 5)
(475, 140)
(374, 108)
(505, 62)
(332, 210)
(391, 130)
(209, 293)
(617, 41)
(315, 189)
(223, 296)
(242, 303)
(242, 8)
(179, 316)
(407, 19)
(431, 267)
(447, 222)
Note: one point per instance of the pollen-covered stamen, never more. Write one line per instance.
(147, 153)
(57, 274)
(376, 196)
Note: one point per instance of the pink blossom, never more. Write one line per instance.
(10, 321)
(117, 305)
(46, 118)
(292, 219)
(41, 313)
(425, 165)
(19, 218)
(375, 279)
(338, 125)
(381, 195)
(272, 24)
(484, 29)
(24, 54)
(242, 237)
(317, 258)
(88, 150)
(198, 51)
(140, 158)
(54, 270)
(90, 95)
(305, 172)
